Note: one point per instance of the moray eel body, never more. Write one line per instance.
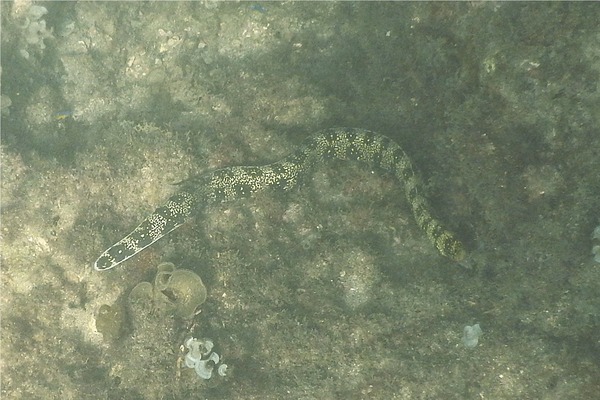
(233, 183)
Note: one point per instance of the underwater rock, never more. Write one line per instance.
(141, 299)
(471, 335)
(110, 322)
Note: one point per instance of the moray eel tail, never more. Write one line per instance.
(162, 221)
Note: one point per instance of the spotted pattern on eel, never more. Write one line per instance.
(231, 183)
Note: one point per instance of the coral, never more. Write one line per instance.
(201, 357)
(33, 27)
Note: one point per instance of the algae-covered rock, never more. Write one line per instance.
(141, 298)
(110, 321)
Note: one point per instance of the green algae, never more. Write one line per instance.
(179, 291)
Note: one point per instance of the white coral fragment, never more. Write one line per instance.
(471, 335)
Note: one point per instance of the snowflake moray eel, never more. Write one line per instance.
(231, 183)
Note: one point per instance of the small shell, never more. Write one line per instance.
(222, 370)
